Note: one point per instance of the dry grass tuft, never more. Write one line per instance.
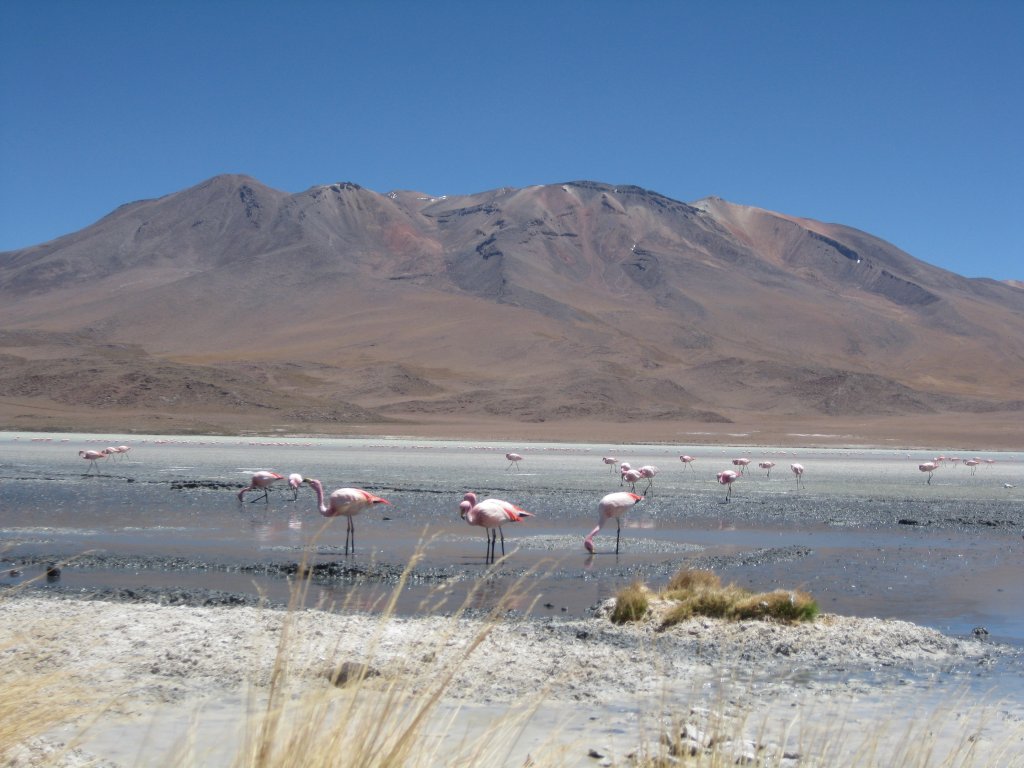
(701, 593)
(631, 603)
(32, 702)
(688, 580)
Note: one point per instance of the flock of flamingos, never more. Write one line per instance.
(492, 514)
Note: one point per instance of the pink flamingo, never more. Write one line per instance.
(624, 467)
(648, 471)
(513, 460)
(727, 477)
(631, 476)
(687, 461)
(491, 514)
(294, 481)
(611, 461)
(123, 449)
(741, 463)
(111, 451)
(798, 473)
(767, 465)
(614, 505)
(345, 502)
(93, 457)
(262, 481)
(929, 467)
(973, 464)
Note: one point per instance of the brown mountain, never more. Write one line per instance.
(569, 310)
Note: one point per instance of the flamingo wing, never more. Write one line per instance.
(501, 511)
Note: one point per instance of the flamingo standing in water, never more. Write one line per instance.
(798, 473)
(727, 477)
(648, 471)
(262, 481)
(687, 461)
(92, 457)
(624, 467)
(294, 481)
(929, 467)
(973, 464)
(631, 476)
(344, 502)
(614, 505)
(767, 465)
(491, 514)
(741, 463)
(513, 460)
(611, 461)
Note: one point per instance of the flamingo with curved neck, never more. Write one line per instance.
(261, 481)
(612, 506)
(491, 514)
(344, 502)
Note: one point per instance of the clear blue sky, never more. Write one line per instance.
(904, 119)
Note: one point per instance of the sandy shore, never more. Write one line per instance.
(613, 685)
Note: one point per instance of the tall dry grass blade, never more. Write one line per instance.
(372, 721)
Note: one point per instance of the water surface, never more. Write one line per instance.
(866, 535)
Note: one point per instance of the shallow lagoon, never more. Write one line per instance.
(867, 536)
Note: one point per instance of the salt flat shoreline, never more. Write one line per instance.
(143, 657)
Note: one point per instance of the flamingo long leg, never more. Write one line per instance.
(350, 534)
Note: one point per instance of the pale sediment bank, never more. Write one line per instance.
(140, 659)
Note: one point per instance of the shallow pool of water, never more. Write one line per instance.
(866, 534)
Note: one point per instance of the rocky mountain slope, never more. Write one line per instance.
(231, 305)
